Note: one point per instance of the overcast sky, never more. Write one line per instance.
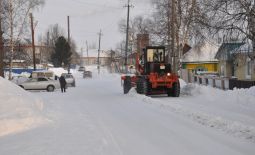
(87, 17)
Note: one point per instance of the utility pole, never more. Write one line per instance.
(127, 34)
(98, 57)
(68, 28)
(1, 44)
(33, 39)
(11, 38)
(81, 58)
(87, 49)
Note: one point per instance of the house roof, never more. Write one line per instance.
(205, 52)
(228, 48)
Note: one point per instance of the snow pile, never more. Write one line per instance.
(19, 110)
(58, 71)
(232, 112)
(250, 91)
(205, 52)
(239, 103)
(23, 74)
(237, 96)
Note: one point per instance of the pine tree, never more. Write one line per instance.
(62, 53)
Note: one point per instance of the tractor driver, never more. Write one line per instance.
(156, 56)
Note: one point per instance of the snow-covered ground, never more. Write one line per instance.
(19, 110)
(96, 118)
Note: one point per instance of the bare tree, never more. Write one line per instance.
(1, 44)
(187, 19)
(49, 39)
(138, 25)
(235, 19)
(75, 56)
(15, 21)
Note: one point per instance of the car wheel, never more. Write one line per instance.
(50, 88)
(73, 84)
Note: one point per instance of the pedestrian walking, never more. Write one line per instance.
(62, 82)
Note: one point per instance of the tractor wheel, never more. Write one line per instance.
(127, 84)
(142, 86)
(139, 86)
(175, 90)
(146, 86)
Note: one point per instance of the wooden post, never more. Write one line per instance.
(222, 84)
(33, 39)
(214, 82)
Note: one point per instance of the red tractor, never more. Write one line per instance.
(153, 74)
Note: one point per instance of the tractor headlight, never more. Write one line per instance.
(168, 74)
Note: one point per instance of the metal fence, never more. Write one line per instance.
(221, 82)
(234, 83)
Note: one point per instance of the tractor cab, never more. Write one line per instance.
(154, 60)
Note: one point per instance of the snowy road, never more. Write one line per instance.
(95, 118)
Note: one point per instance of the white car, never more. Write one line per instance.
(70, 80)
(41, 83)
(19, 79)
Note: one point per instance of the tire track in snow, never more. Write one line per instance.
(233, 128)
(110, 136)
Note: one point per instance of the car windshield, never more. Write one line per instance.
(69, 76)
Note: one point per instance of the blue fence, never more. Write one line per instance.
(21, 70)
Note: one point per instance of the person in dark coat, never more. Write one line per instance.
(62, 82)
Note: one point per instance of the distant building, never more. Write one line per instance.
(23, 56)
(92, 57)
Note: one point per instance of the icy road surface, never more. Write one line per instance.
(95, 118)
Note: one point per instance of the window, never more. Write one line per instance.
(42, 79)
(33, 80)
(249, 68)
(150, 55)
(155, 55)
(222, 70)
(68, 76)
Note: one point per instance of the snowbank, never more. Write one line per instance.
(232, 111)
(58, 71)
(19, 110)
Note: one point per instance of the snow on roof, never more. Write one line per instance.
(205, 52)
(58, 71)
(19, 110)
(94, 53)
(14, 61)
